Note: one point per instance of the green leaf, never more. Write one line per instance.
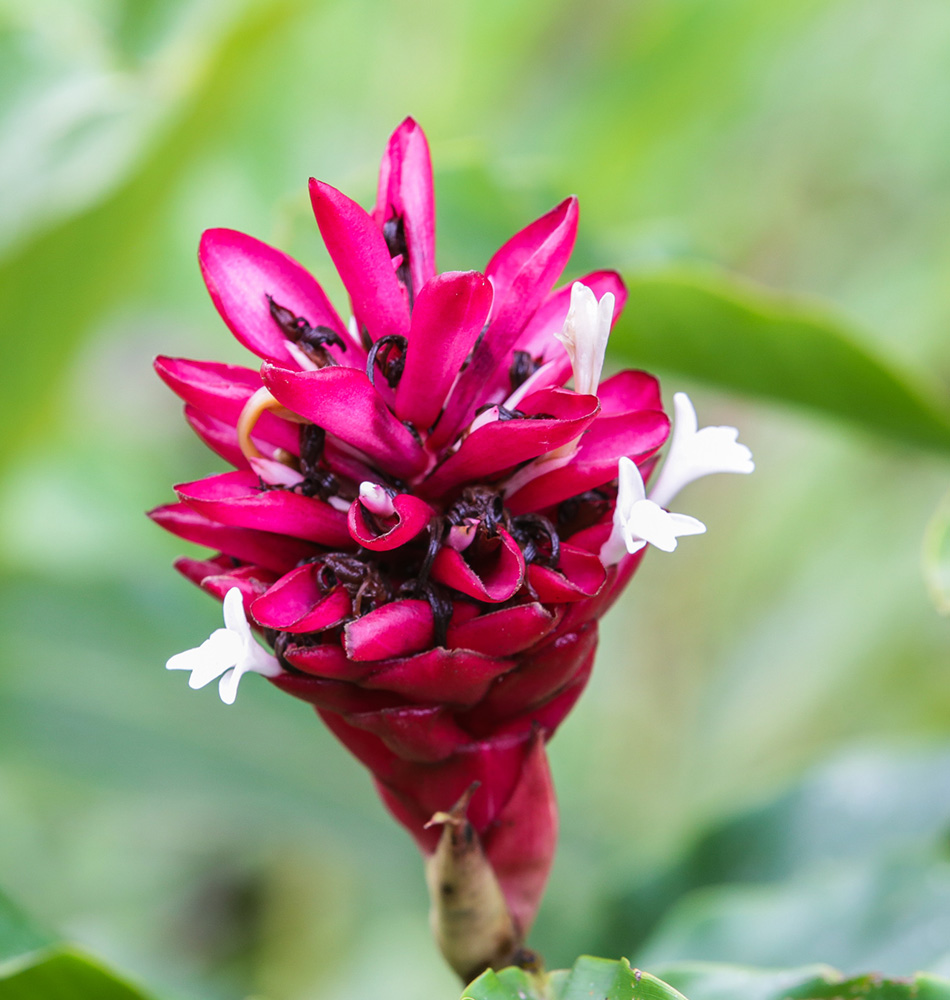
(506, 984)
(734, 336)
(33, 965)
(600, 978)
(18, 934)
(63, 974)
(704, 981)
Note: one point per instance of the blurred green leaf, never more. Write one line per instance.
(727, 333)
(64, 975)
(589, 977)
(506, 984)
(33, 965)
(850, 868)
(936, 556)
(18, 934)
(703, 981)
(54, 286)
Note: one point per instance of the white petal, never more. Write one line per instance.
(584, 335)
(638, 521)
(235, 620)
(696, 453)
(651, 523)
(228, 685)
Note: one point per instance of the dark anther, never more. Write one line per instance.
(435, 529)
(522, 368)
(365, 339)
(479, 503)
(394, 233)
(581, 511)
(439, 602)
(381, 353)
(313, 340)
(320, 336)
(372, 592)
(538, 539)
(338, 567)
(503, 412)
(318, 481)
(312, 440)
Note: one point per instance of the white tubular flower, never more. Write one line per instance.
(229, 653)
(638, 521)
(696, 453)
(585, 334)
(376, 500)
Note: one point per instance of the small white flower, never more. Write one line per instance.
(638, 521)
(585, 334)
(376, 500)
(695, 453)
(229, 653)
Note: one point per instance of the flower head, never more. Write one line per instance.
(417, 510)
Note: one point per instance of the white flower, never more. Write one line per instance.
(376, 500)
(695, 453)
(638, 521)
(229, 652)
(585, 334)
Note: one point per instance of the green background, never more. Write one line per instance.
(760, 769)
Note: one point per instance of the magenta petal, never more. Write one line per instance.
(327, 661)
(405, 192)
(494, 574)
(413, 792)
(296, 604)
(420, 733)
(636, 435)
(523, 838)
(399, 628)
(275, 552)
(222, 391)
(219, 436)
(363, 262)
(579, 575)
(504, 632)
(333, 696)
(455, 677)
(241, 272)
(252, 581)
(628, 391)
(197, 570)
(412, 515)
(522, 273)
(551, 713)
(236, 498)
(449, 314)
(538, 677)
(497, 446)
(344, 402)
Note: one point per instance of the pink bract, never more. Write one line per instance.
(443, 633)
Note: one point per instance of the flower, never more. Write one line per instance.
(696, 453)
(228, 653)
(417, 507)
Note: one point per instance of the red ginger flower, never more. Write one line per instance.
(419, 508)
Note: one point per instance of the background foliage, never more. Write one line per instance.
(759, 770)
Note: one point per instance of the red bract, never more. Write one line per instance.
(418, 507)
